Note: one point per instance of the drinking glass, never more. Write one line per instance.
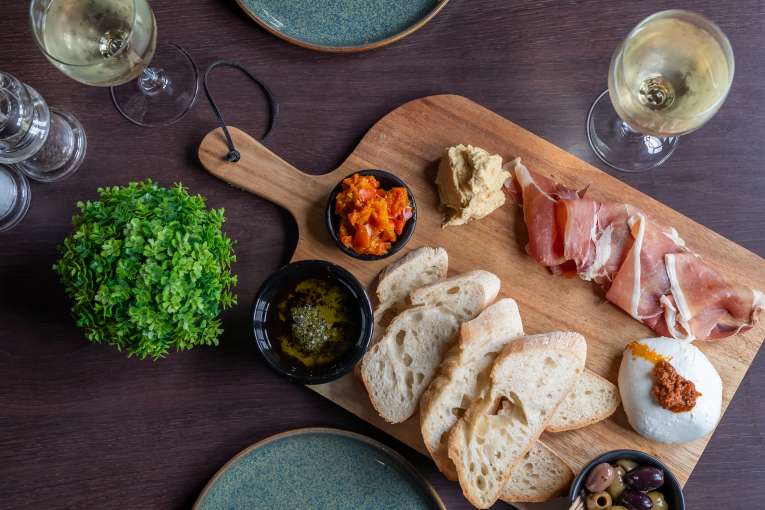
(110, 43)
(667, 78)
(45, 144)
(14, 197)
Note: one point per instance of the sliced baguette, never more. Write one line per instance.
(398, 368)
(463, 375)
(417, 268)
(394, 283)
(465, 295)
(541, 475)
(593, 399)
(529, 379)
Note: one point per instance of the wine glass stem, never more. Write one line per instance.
(153, 80)
(627, 130)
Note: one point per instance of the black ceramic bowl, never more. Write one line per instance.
(288, 276)
(387, 181)
(671, 489)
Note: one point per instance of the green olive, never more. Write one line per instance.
(659, 503)
(627, 464)
(617, 486)
(619, 507)
(598, 501)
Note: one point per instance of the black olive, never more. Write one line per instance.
(644, 478)
(636, 500)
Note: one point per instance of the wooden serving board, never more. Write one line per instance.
(409, 142)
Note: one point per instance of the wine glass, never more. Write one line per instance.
(667, 78)
(110, 43)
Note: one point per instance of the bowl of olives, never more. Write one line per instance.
(627, 480)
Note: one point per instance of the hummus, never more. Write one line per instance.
(469, 184)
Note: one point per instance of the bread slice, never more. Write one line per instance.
(528, 381)
(461, 378)
(398, 368)
(463, 375)
(541, 475)
(593, 399)
(464, 295)
(417, 268)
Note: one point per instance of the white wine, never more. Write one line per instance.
(671, 74)
(110, 43)
(98, 42)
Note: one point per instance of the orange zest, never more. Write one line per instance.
(371, 218)
(645, 352)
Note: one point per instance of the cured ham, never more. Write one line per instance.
(643, 266)
(540, 197)
(705, 303)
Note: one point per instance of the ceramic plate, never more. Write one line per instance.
(318, 468)
(342, 25)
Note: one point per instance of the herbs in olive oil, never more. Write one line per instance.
(314, 322)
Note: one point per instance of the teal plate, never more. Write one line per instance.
(342, 25)
(318, 468)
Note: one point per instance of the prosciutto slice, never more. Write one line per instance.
(643, 266)
(539, 197)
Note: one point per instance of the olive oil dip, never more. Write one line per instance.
(314, 321)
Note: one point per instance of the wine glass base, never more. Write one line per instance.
(621, 147)
(30, 106)
(62, 153)
(163, 93)
(15, 190)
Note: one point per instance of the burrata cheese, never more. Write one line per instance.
(644, 412)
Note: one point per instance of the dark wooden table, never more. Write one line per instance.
(82, 426)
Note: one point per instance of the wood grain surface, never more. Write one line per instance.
(82, 426)
(409, 141)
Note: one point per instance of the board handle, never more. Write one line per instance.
(258, 171)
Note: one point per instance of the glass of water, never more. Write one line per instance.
(669, 76)
(113, 43)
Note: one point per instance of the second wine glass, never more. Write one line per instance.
(113, 43)
(669, 76)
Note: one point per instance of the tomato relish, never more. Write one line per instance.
(371, 218)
